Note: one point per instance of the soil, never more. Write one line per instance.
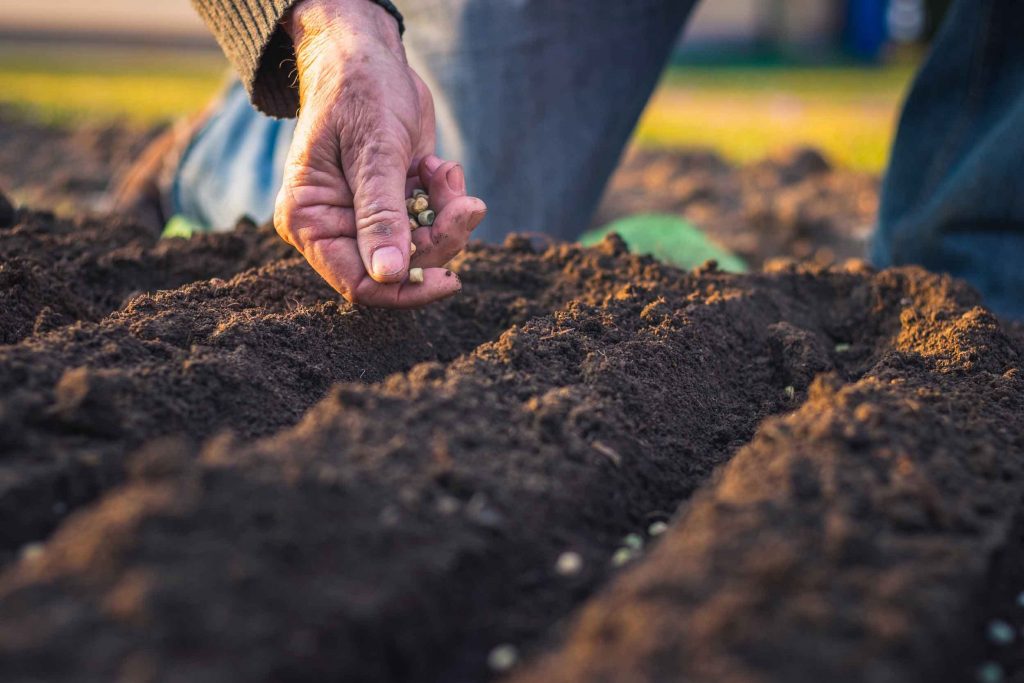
(212, 469)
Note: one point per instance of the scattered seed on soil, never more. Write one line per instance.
(990, 672)
(569, 563)
(999, 632)
(633, 541)
(31, 551)
(622, 556)
(657, 528)
(415, 275)
(842, 347)
(426, 218)
(502, 658)
(790, 392)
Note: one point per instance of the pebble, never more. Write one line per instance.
(569, 563)
(999, 632)
(657, 528)
(503, 657)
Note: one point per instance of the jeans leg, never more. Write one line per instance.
(233, 165)
(953, 196)
(537, 98)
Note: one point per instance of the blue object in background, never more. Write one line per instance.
(866, 28)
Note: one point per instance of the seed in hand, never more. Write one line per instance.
(426, 218)
(418, 193)
(413, 223)
(415, 276)
(418, 205)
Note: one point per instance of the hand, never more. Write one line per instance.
(364, 140)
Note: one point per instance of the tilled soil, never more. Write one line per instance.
(211, 469)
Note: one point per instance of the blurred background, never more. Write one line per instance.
(748, 76)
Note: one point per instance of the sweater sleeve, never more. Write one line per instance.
(250, 33)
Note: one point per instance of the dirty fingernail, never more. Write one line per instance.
(386, 261)
(456, 179)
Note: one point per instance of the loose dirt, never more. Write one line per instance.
(212, 469)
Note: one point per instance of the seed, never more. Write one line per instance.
(418, 205)
(415, 276)
(31, 551)
(999, 632)
(842, 347)
(633, 541)
(413, 223)
(990, 672)
(409, 204)
(503, 657)
(412, 248)
(569, 564)
(418, 193)
(790, 392)
(657, 528)
(426, 218)
(622, 556)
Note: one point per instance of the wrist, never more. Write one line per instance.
(342, 20)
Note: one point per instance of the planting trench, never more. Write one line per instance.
(212, 470)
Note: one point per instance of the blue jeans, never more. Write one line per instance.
(537, 99)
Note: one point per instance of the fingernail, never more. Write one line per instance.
(456, 179)
(431, 162)
(386, 261)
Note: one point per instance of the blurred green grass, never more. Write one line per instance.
(746, 113)
(743, 112)
(67, 85)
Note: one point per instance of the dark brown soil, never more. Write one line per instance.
(792, 205)
(64, 168)
(211, 469)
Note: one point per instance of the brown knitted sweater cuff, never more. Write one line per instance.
(250, 33)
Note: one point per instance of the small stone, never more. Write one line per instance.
(622, 556)
(426, 218)
(990, 672)
(415, 276)
(418, 193)
(790, 392)
(569, 564)
(633, 541)
(657, 528)
(999, 632)
(842, 347)
(503, 657)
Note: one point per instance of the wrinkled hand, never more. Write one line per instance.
(364, 140)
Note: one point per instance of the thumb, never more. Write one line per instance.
(378, 175)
